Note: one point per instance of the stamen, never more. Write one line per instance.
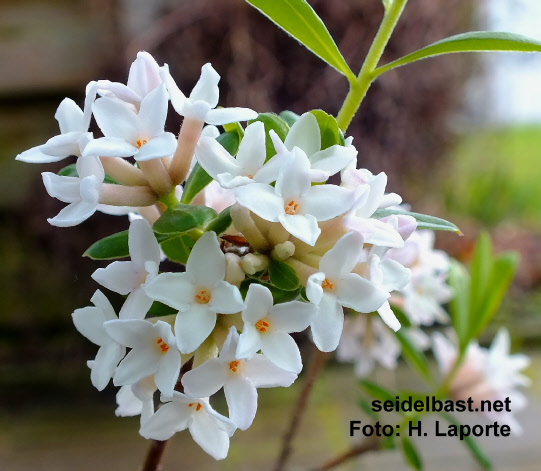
(262, 325)
(163, 346)
(140, 143)
(291, 207)
(327, 285)
(197, 407)
(202, 297)
(234, 366)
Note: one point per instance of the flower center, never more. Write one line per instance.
(202, 296)
(197, 406)
(291, 207)
(262, 325)
(162, 345)
(140, 143)
(327, 285)
(234, 366)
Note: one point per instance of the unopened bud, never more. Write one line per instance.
(284, 250)
(252, 263)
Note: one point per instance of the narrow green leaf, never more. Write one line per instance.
(71, 171)
(388, 443)
(459, 306)
(411, 454)
(402, 318)
(277, 124)
(475, 41)
(159, 309)
(221, 223)
(480, 270)
(423, 220)
(278, 295)
(178, 248)
(234, 128)
(328, 127)
(110, 247)
(199, 178)
(283, 276)
(471, 444)
(183, 218)
(297, 18)
(413, 356)
(377, 391)
(289, 117)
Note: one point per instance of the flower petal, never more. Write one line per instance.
(89, 322)
(209, 436)
(360, 294)
(153, 112)
(105, 364)
(263, 373)
(258, 303)
(222, 116)
(325, 202)
(333, 159)
(303, 227)
(261, 199)
(142, 243)
(343, 257)
(206, 88)
(226, 298)
(193, 326)
(160, 146)
(178, 99)
(170, 418)
(214, 158)
(206, 379)
(109, 147)
(168, 371)
(241, 398)
(174, 289)
(249, 342)
(73, 214)
(388, 316)
(65, 189)
(137, 364)
(133, 333)
(314, 291)
(69, 117)
(305, 134)
(144, 74)
(293, 316)
(206, 263)
(252, 152)
(281, 349)
(115, 119)
(120, 277)
(328, 324)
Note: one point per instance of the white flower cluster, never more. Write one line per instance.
(284, 218)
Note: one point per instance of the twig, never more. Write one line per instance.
(371, 444)
(318, 359)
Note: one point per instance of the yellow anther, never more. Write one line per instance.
(234, 366)
(291, 207)
(327, 285)
(262, 325)
(202, 296)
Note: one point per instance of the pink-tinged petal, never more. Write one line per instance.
(178, 99)
(36, 156)
(105, 364)
(374, 231)
(395, 276)
(170, 418)
(206, 88)
(206, 263)
(226, 298)
(328, 324)
(160, 146)
(303, 227)
(360, 294)
(115, 119)
(109, 147)
(388, 316)
(136, 306)
(73, 214)
(196, 111)
(262, 200)
(281, 349)
(133, 333)
(206, 433)
(153, 112)
(314, 291)
(144, 74)
(69, 117)
(205, 380)
(241, 398)
(405, 225)
(137, 364)
(107, 88)
(263, 373)
(333, 159)
(214, 158)
(62, 145)
(325, 202)
(65, 189)
(120, 277)
(174, 289)
(142, 243)
(193, 326)
(258, 303)
(90, 167)
(305, 134)
(252, 152)
(249, 342)
(222, 116)
(168, 371)
(343, 257)
(293, 316)
(89, 322)
(294, 178)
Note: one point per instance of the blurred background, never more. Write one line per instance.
(459, 137)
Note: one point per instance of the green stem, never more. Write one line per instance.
(360, 86)
(169, 200)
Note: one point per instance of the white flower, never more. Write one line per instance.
(210, 430)
(153, 352)
(128, 133)
(218, 198)
(486, 374)
(136, 399)
(203, 99)
(82, 192)
(199, 293)
(267, 328)
(239, 378)
(89, 321)
(294, 202)
(335, 286)
(248, 166)
(131, 277)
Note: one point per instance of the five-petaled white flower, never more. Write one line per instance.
(153, 352)
(267, 328)
(199, 294)
(89, 321)
(209, 429)
(131, 277)
(239, 378)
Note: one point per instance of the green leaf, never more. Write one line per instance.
(377, 391)
(184, 218)
(367, 408)
(278, 295)
(459, 280)
(402, 318)
(178, 248)
(423, 220)
(411, 454)
(480, 270)
(471, 444)
(413, 356)
(277, 124)
(283, 276)
(234, 128)
(289, 117)
(328, 127)
(71, 171)
(221, 223)
(388, 443)
(199, 178)
(113, 246)
(475, 41)
(297, 18)
(159, 309)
